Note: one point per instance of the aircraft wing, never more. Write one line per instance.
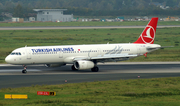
(107, 56)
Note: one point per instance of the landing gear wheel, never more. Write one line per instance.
(73, 68)
(24, 71)
(95, 69)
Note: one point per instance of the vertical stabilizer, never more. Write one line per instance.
(148, 35)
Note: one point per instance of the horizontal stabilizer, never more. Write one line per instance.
(155, 48)
(166, 46)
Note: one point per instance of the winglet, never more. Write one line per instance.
(148, 35)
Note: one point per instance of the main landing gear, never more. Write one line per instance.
(24, 70)
(73, 68)
(95, 69)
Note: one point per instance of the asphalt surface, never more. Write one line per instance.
(11, 76)
(80, 27)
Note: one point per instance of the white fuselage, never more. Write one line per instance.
(66, 54)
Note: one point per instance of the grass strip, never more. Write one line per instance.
(155, 91)
(125, 23)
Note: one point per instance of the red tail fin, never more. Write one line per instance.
(148, 35)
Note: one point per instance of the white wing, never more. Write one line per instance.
(111, 57)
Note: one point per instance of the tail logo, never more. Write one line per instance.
(148, 34)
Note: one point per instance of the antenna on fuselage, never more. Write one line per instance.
(26, 46)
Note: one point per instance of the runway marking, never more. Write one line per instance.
(176, 67)
(130, 63)
(18, 70)
(7, 69)
(85, 73)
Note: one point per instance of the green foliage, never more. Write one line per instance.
(125, 23)
(1, 18)
(18, 11)
(149, 92)
(94, 7)
(92, 4)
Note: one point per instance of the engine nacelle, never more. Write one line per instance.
(83, 64)
(54, 65)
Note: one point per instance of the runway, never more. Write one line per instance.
(11, 76)
(80, 27)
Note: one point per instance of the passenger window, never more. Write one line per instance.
(19, 53)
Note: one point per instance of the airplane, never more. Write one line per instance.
(84, 57)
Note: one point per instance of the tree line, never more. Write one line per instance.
(92, 4)
(24, 8)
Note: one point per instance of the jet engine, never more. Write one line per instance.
(83, 64)
(54, 65)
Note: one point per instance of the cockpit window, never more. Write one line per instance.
(15, 53)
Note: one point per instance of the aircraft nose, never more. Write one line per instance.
(8, 59)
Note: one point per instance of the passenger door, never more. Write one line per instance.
(60, 54)
(28, 52)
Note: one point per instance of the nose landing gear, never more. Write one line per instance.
(24, 70)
